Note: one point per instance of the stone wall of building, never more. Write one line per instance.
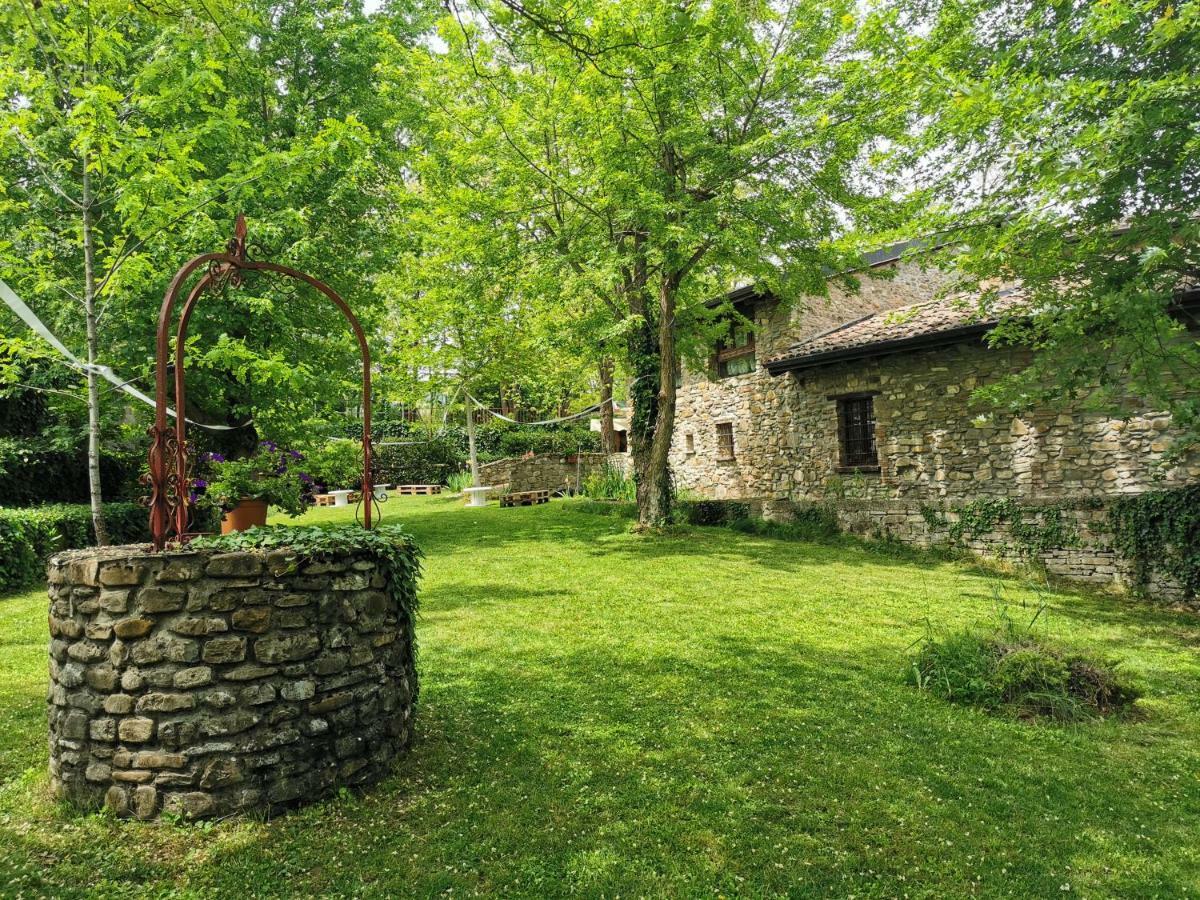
(936, 447)
(205, 683)
(544, 472)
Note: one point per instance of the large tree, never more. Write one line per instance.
(644, 154)
(1057, 146)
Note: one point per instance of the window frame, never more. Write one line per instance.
(724, 430)
(857, 463)
(727, 351)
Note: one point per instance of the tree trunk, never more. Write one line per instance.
(93, 380)
(608, 434)
(652, 352)
(659, 488)
(471, 439)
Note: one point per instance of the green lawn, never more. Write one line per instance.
(698, 713)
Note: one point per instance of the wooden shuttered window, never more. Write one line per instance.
(736, 355)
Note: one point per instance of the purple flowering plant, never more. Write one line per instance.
(268, 474)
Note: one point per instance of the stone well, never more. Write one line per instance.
(206, 683)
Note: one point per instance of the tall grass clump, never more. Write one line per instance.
(457, 482)
(610, 483)
(1007, 666)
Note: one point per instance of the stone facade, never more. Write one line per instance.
(937, 450)
(203, 683)
(544, 472)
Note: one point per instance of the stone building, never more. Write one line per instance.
(863, 404)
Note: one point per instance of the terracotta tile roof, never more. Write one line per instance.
(930, 323)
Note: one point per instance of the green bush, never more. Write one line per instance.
(458, 482)
(30, 536)
(336, 465)
(810, 523)
(494, 439)
(542, 439)
(710, 512)
(1007, 667)
(32, 475)
(610, 483)
(429, 461)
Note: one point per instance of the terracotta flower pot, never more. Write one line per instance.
(244, 516)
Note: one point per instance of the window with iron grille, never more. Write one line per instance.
(724, 440)
(856, 428)
(735, 356)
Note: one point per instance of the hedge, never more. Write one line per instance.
(447, 447)
(428, 462)
(29, 537)
(31, 475)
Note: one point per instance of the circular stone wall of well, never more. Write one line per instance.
(205, 683)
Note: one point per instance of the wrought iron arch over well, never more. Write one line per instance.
(169, 481)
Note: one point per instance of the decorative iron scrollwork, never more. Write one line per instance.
(170, 466)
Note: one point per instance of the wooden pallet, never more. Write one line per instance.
(330, 500)
(418, 490)
(525, 498)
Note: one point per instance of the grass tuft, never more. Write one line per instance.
(1009, 667)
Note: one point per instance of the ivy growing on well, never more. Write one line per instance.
(1160, 531)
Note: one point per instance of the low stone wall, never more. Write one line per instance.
(1088, 558)
(206, 683)
(545, 472)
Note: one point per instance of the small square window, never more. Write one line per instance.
(724, 440)
(689, 443)
(856, 432)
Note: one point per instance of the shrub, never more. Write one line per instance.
(494, 439)
(811, 523)
(539, 439)
(710, 512)
(1007, 667)
(429, 461)
(336, 465)
(32, 475)
(610, 483)
(457, 482)
(30, 536)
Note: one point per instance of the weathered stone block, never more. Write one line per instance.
(234, 564)
(199, 627)
(162, 599)
(165, 702)
(194, 677)
(118, 704)
(120, 575)
(249, 672)
(156, 759)
(133, 628)
(253, 619)
(225, 650)
(288, 648)
(136, 730)
(145, 802)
